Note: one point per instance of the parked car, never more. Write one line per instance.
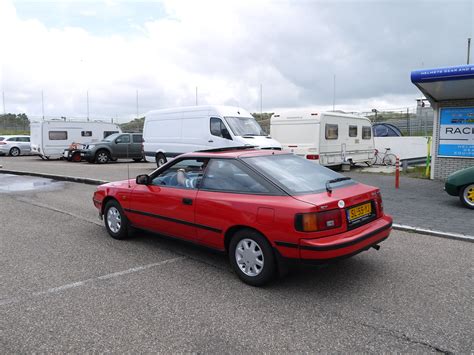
(263, 208)
(115, 146)
(15, 145)
(461, 183)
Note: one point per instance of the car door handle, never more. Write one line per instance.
(210, 141)
(187, 201)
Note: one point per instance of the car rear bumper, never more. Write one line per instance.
(340, 246)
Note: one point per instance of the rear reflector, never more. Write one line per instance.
(312, 156)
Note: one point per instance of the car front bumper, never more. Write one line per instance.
(340, 246)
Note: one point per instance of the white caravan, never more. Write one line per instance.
(171, 132)
(49, 139)
(329, 138)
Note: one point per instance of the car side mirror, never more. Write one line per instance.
(143, 179)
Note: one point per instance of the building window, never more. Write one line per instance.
(86, 133)
(332, 131)
(57, 135)
(352, 131)
(366, 132)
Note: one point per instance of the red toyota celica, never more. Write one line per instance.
(263, 208)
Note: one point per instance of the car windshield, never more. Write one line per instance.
(111, 138)
(244, 126)
(294, 174)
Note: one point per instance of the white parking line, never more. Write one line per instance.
(61, 288)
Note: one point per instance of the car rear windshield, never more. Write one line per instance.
(294, 174)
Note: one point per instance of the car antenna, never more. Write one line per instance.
(128, 167)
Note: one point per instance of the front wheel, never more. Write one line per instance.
(251, 257)
(102, 157)
(115, 220)
(467, 196)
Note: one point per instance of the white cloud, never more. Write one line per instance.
(227, 49)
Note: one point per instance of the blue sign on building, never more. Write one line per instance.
(456, 138)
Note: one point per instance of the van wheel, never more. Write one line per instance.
(102, 157)
(160, 159)
(137, 159)
(251, 257)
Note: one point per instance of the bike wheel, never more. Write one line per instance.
(389, 159)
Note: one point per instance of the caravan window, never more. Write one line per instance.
(86, 133)
(366, 132)
(57, 135)
(332, 131)
(108, 133)
(352, 131)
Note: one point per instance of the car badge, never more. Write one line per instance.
(341, 204)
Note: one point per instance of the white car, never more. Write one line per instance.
(15, 145)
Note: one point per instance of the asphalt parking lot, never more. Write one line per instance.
(68, 287)
(417, 203)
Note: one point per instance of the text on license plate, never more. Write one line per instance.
(360, 211)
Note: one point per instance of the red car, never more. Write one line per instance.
(262, 207)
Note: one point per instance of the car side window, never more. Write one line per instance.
(229, 176)
(219, 129)
(123, 139)
(185, 174)
(137, 138)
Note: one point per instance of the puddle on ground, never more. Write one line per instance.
(17, 184)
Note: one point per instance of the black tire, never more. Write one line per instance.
(75, 157)
(389, 159)
(466, 195)
(102, 157)
(160, 159)
(116, 231)
(266, 272)
(14, 152)
(137, 159)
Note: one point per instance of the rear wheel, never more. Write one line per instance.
(467, 196)
(251, 257)
(374, 160)
(389, 159)
(14, 152)
(102, 157)
(76, 157)
(115, 220)
(160, 159)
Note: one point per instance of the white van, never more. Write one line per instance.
(171, 132)
(49, 139)
(328, 138)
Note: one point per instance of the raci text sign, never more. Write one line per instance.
(456, 135)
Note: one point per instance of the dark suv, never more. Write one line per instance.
(115, 146)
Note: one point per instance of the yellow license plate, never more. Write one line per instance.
(360, 211)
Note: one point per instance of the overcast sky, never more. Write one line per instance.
(165, 49)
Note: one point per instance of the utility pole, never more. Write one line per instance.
(42, 103)
(261, 100)
(468, 49)
(334, 94)
(3, 96)
(87, 105)
(137, 104)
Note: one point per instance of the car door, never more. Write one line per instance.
(167, 204)
(121, 147)
(25, 145)
(136, 146)
(219, 134)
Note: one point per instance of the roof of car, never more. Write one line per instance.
(235, 152)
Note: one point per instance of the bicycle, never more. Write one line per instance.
(386, 158)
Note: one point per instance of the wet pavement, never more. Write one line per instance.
(17, 184)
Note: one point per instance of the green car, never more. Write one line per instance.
(461, 183)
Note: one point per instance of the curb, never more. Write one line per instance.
(396, 226)
(56, 177)
(454, 236)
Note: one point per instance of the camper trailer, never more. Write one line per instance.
(171, 132)
(327, 138)
(49, 139)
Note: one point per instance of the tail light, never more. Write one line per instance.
(378, 200)
(314, 222)
(312, 156)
